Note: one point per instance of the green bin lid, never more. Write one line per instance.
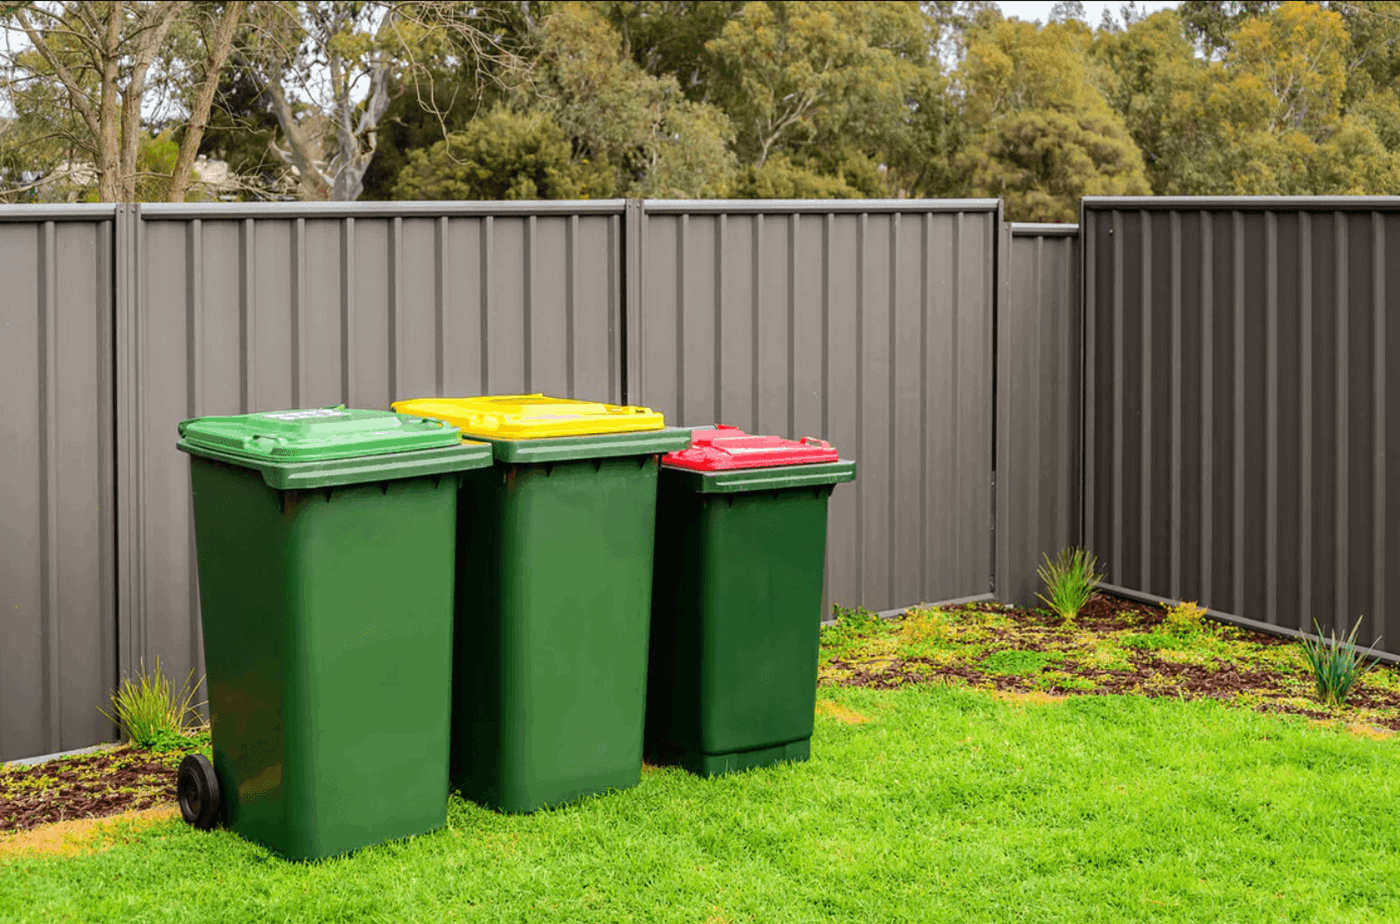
(316, 434)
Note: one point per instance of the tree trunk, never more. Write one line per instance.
(152, 36)
(204, 99)
(314, 186)
(108, 157)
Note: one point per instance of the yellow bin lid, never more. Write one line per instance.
(524, 417)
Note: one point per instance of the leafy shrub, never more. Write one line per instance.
(151, 709)
(857, 618)
(1184, 619)
(1336, 664)
(1070, 580)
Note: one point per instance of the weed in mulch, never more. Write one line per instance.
(1114, 646)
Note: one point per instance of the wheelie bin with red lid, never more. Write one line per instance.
(736, 599)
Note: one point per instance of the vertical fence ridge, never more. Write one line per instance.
(1119, 412)
(1380, 509)
(1341, 311)
(1174, 540)
(1305, 449)
(49, 550)
(1271, 439)
(1145, 512)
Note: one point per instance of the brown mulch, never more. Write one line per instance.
(93, 785)
(1147, 674)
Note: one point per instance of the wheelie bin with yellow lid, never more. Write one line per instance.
(325, 544)
(554, 579)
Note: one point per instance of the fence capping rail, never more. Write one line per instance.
(1240, 203)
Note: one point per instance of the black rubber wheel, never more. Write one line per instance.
(198, 789)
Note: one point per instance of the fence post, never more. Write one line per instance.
(633, 231)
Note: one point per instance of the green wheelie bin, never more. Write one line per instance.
(554, 596)
(736, 604)
(329, 674)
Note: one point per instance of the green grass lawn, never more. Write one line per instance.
(947, 805)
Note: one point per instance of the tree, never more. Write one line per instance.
(343, 57)
(1042, 135)
(1282, 126)
(452, 86)
(781, 178)
(1212, 23)
(98, 63)
(242, 128)
(1068, 11)
(503, 155)
(1154, 81)
(797, 72)
(659, 142)
(672, 37)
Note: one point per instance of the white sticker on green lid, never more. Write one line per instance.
(306, 415)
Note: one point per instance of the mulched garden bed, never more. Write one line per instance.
(1114, 646)
(92, 785)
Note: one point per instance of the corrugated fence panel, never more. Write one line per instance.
(1241, 446)
(57, 554)
(868, 324)
(244, 308)
(1039, 397)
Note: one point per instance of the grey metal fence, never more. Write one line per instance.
(1241, 444)
(57, 554)
(869, 323)
(1039, 398)
(866, 323)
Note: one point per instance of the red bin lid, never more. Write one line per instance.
(729, 447)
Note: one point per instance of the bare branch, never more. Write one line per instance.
(76, 94)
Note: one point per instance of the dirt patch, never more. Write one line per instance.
(1114, 646)
(87, 786)
(69, 838)
(840, 713)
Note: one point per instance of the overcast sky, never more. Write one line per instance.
(1040, 9)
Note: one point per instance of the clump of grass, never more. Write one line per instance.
(150, 710)
(1184, 619)
(1070, 581)
(1016, 662)
(925, 625)
(1154, 640)
(1336, 664)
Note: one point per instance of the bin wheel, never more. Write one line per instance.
(198, 789)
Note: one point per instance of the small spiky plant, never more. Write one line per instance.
(1070, 581)
(1336, 664)
(150, 708)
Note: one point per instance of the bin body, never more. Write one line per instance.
(554, 582)
(329, 677)
(736, 611)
